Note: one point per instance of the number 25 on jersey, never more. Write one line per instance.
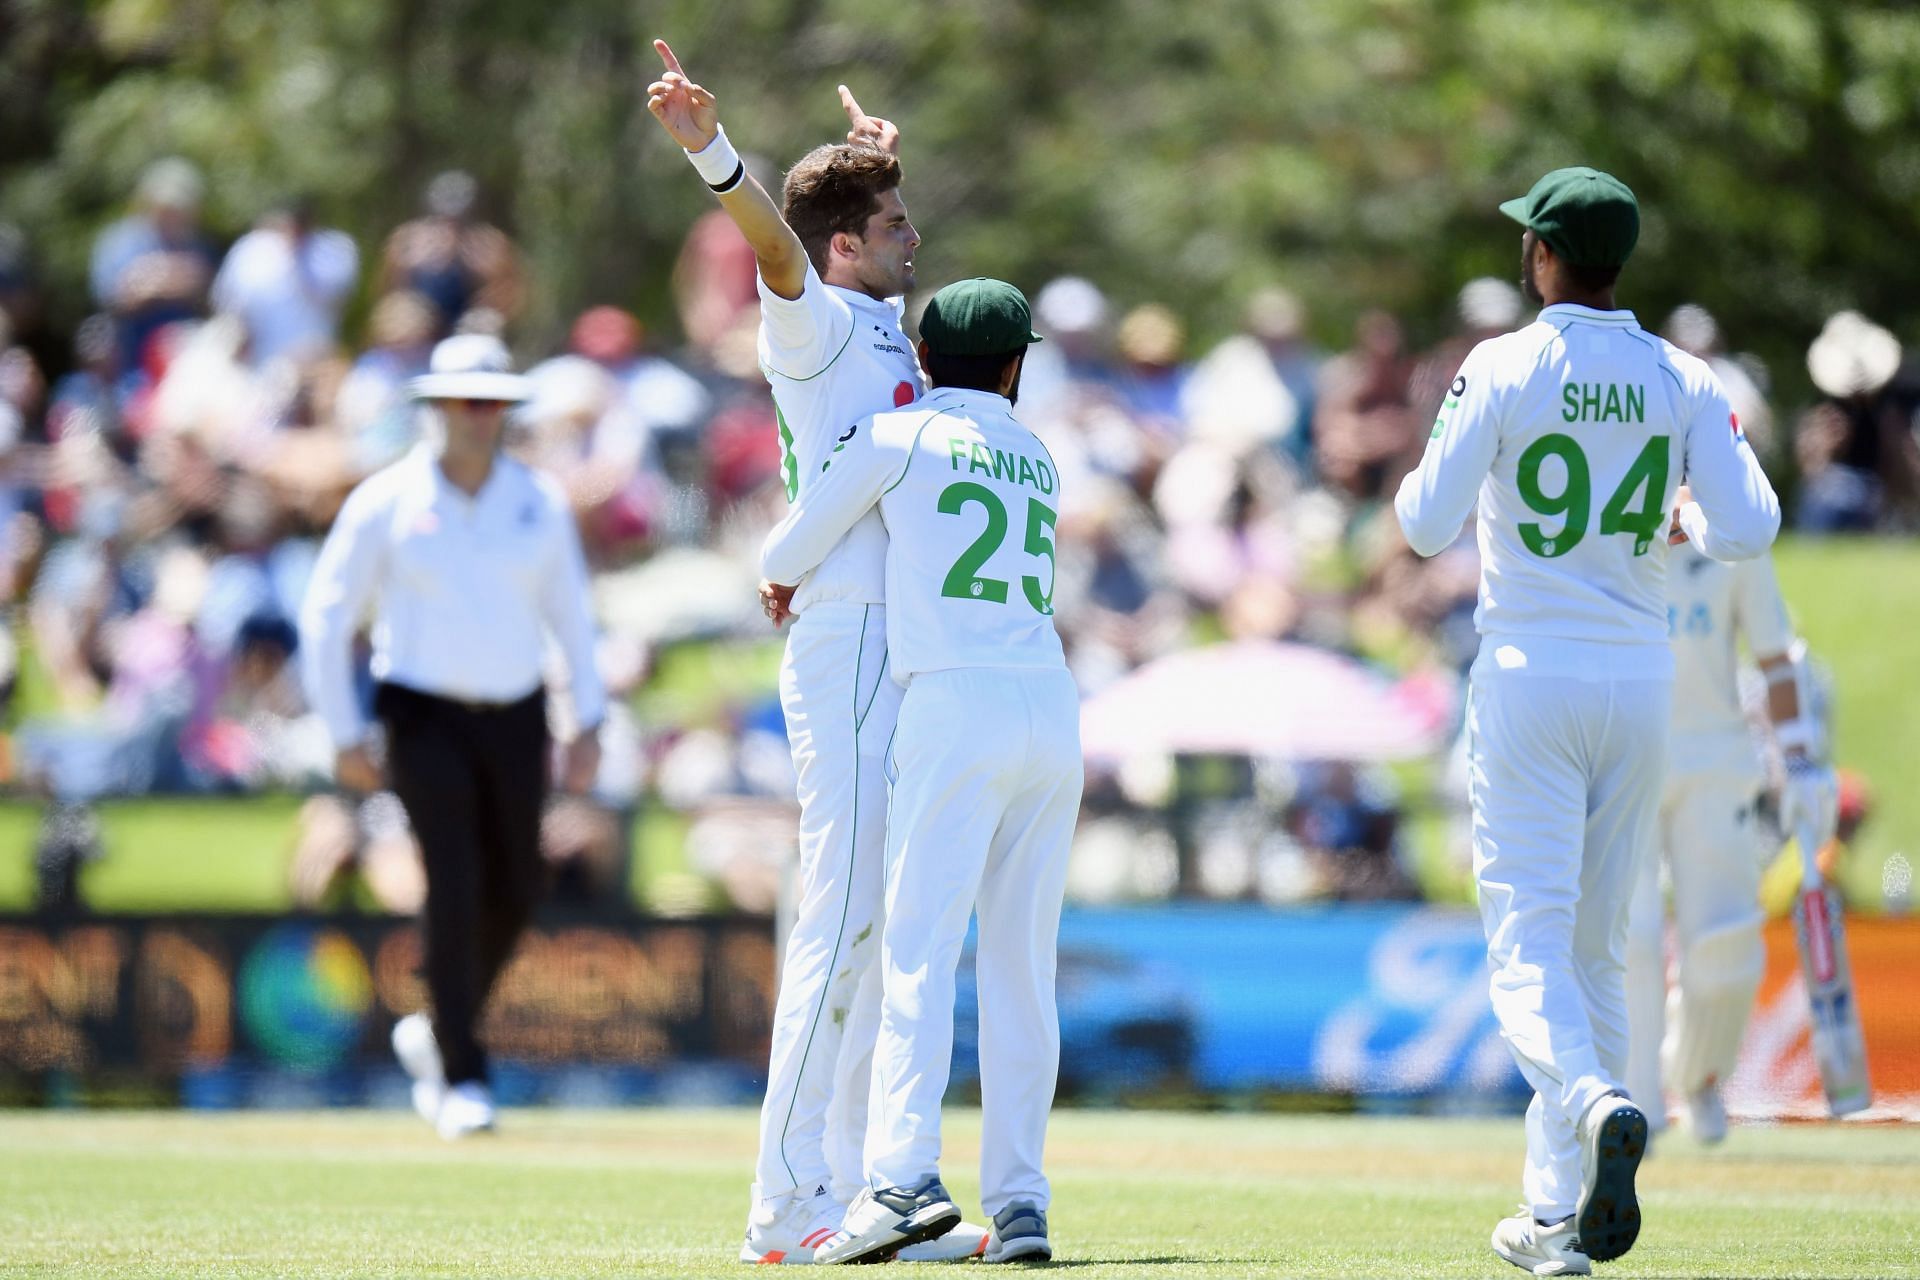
(964, 581)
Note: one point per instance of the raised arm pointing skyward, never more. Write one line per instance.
(690, 115)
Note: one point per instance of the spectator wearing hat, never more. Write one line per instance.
(467, 560)
(1858, 458)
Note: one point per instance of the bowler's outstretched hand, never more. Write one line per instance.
(870, 131)
(684, 109)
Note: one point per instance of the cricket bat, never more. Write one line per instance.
(1839, 1045)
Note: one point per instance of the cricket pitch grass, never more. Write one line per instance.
(663, 1193)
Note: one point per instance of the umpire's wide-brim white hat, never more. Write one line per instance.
(471, 366)
(1853, 356)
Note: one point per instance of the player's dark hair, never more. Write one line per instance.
(833, 189)
(1590, 279)
(975, 373)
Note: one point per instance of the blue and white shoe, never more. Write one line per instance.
(1613, 1138)
(1019, 1234)
(1539, 1249)
(881, 1223)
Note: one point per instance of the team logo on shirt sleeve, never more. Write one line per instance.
(840, 443)
(1451, 403)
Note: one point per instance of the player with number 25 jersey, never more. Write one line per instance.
(985, 766)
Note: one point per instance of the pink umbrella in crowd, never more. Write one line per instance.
(1259, 698)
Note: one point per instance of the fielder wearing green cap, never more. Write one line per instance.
(1571, 438)
(975, 333)
(984, 765)
(1581, 226)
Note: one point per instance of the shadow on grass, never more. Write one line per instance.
(1111, 1262)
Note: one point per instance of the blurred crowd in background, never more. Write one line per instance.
(167, 471)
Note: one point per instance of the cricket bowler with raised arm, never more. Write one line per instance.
(1713, 841)
(833, 264)
(1571, 437)
(985, 765)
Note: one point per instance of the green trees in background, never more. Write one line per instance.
(1354, 150)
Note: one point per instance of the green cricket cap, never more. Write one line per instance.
(1588, 217)
(978, 317)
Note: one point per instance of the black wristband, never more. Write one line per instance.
(739, 175)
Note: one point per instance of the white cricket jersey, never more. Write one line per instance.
(1571, 436)
(969, 497)
(464, 591)
(1709, 606)
(834, 356)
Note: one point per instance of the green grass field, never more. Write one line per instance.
(662, 1193)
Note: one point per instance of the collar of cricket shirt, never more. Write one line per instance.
(445, 489)
(860, 298)
(1587, 315)
(971, 397)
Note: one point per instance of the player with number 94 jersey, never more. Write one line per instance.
(1572, 437)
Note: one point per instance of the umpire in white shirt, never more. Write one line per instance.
(466, 561)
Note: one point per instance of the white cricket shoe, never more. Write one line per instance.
(1540, 1250)
(1020, 1234)
(881, 1223)
(968, 1240)
(1613, 1138)
(1707, 1114)
(419, 1055)
(789, 1229)
(466, 1108)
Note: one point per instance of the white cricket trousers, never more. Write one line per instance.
(1710, 843)
(987, 773)
(1568, 745)
(840, 709)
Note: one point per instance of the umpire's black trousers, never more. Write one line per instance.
(473, 779)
